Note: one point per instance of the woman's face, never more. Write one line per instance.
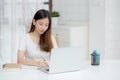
(41, 25)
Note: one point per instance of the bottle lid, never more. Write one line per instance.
(96, 52)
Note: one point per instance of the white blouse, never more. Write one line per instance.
(32, 50)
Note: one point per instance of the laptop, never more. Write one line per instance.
(66, 59)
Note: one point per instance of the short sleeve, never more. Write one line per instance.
(21, 43)
(54, 42)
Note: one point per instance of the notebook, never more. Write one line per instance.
(66, 60)
(12, 66)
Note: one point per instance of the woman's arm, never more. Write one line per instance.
(22, 60)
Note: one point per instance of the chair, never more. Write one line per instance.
(57, 40)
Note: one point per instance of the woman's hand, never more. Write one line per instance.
(42, 64)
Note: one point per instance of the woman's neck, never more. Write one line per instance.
(36, 35)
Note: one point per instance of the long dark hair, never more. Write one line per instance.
(45, 39)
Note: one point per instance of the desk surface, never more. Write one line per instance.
(107, 70)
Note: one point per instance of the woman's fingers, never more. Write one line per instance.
(43, 64)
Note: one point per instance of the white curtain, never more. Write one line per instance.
(15, 20)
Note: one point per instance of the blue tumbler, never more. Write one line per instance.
(95, 58)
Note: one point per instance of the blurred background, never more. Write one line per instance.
(89, 24)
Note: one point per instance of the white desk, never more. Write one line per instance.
(107, 70)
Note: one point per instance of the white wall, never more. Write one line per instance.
(103, 18)
(112, 29)
(104, 28)
(97, 26)
(72, 10)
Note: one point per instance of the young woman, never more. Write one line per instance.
(35, 46)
